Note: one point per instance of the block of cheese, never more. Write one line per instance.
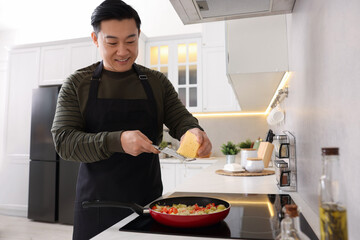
(189, 146)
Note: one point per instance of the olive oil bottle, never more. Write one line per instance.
(333, 220)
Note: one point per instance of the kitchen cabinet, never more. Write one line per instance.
(213, 93)
(257, 59)
(184, 171)
(23, 77)
(58, 61)
(53, 67)
(174, 173)
(257, 45)
(218, 95)
(168, 176)
(180, 60)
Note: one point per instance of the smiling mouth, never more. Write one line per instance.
(122, 60)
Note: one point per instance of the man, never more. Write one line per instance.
(108, 116)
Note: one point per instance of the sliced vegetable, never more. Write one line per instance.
(182, 209)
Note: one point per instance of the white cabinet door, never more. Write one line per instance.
(168, 171)
(184, 171)
(213, 34)
(217, 92)
(54, 66)
(58, 61)
(257, 45)
(23, 76)
(82, 55)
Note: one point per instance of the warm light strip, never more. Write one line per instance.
(270, 206)
(271, 209)
(227, 114)
(245, 114)
(281, 86)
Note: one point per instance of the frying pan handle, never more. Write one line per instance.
(132, 206)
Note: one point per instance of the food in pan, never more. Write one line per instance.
(189, 146)
(182, 209)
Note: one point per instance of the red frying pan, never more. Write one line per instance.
(182, 221)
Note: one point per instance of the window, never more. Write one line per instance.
(179, 60)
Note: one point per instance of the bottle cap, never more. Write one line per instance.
(291, 210)
(330, 151)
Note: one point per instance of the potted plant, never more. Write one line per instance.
(246, 151)
(246, 144)
(230, 150)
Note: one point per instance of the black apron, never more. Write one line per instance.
(122, 177)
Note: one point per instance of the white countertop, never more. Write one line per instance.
(209, 181)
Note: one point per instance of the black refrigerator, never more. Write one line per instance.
(52, 181)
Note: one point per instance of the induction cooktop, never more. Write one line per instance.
(252, 216)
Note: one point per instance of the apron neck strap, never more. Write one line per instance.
(97, 73)
(141, 75)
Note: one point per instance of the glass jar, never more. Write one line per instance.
(278, 140)
(333, 223)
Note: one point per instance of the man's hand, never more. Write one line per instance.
(203, 140)
(135, 143)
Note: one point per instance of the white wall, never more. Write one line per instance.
(322, 109)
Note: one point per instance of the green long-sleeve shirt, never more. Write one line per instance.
(71, 140)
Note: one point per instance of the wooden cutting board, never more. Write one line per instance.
(244, 173)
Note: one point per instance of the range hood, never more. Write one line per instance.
(198, 11)
(257, 59)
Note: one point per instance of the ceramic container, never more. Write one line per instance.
(246, 153)
(254, 165)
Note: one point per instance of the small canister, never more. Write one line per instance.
(247, 153)
(254, 165)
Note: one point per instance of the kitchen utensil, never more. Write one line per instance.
(254, 165)
(265, 152)
(173, 153)
(275, 116)
(182, 221)
(270, 136)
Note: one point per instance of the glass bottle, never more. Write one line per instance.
(290, 225)
(333, 223)
(285, 225)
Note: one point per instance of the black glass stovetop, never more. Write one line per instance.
(251, 216)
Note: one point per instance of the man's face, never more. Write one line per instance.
(118, 44)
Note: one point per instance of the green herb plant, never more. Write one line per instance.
(245, 144)
(229, 148)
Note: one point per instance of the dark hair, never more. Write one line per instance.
(113, 9)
